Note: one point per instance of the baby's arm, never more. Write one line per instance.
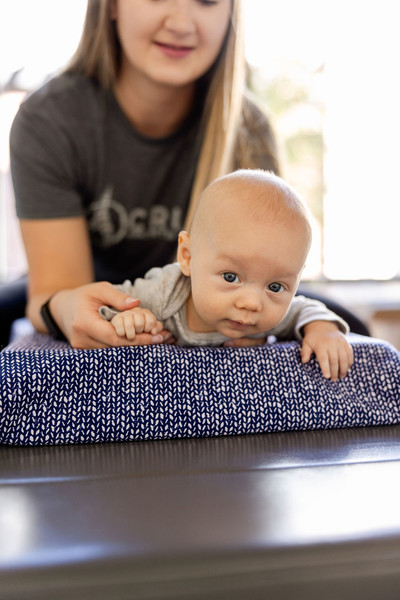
(330, 346)
(136, 320)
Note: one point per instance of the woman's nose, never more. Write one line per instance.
(179, 17)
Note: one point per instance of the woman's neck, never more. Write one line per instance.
(154, 110)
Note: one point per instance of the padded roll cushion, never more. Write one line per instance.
(53, 394)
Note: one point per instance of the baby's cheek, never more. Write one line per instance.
(273, 315)
(209, 308)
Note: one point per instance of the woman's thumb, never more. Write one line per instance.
(111, 296)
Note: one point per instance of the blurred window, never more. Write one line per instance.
(326, 72)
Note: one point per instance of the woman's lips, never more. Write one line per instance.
(174, 51)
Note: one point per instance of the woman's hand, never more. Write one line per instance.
(76, 313)
(61, 267)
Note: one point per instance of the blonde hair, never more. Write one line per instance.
(98, 56)
(98, 52)
(223, 110)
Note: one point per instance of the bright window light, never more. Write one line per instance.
(326, 72)
(337, 64)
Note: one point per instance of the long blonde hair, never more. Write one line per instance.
(223, 108)
(98, 56)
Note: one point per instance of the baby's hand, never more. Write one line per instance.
(136, 320)
(333, 352)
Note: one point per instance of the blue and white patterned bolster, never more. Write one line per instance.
(53, 394)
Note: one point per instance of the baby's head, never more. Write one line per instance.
(245, 253)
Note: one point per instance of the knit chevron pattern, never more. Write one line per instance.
(53, 394)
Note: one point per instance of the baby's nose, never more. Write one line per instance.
(250, 300)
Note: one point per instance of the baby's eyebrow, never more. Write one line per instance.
(225, 257)
(289, 275)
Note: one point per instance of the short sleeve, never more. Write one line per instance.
(54, 148)
(302, 311)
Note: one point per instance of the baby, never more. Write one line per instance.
(237, 273)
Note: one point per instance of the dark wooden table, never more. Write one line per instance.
(313, 515)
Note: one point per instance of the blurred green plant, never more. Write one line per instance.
(297, 115)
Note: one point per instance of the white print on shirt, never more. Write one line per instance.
(113, 222)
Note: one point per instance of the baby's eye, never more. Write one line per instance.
(276, 287)
(230, 277)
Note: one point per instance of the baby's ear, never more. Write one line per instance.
(184, 255)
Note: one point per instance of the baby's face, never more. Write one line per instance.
(244, 275)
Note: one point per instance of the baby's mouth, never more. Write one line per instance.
(239, 325)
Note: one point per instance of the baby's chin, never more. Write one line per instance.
(235, 330)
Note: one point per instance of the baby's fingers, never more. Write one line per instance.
(139, 321)
(129, 326)
(119, 324)
(156, 328)
(149, 324)
(329, 363)
(306, 352)
(335, 362)
(346, 360)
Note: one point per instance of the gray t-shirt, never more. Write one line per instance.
(74, 152)
(165, 291)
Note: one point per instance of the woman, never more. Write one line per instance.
(108, 159)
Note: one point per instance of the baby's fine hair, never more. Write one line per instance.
(265, 193)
